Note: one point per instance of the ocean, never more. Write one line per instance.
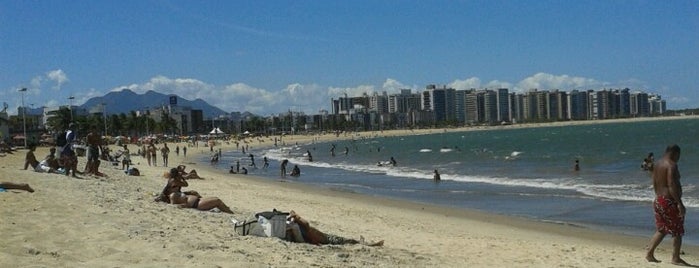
(524, 172)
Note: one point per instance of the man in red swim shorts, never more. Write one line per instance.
(668, 206)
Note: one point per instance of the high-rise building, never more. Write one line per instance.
(379, 103)
(503, 101)
(578, 105)
(490, 104)
(460, 106)
(441, 102)
(624, 103)
(517, 104)
(473, 111)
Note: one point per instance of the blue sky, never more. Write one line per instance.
(271, 56)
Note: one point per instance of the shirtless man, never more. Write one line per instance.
(93, 143)
(165, 151)
(668, 206)
(30, 158)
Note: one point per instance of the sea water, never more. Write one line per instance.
(526, 172)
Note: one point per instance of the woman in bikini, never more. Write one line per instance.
(189, 199)
(188, 175)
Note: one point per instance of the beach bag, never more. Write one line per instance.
(273, 223)
(267, 224)
(249, 226)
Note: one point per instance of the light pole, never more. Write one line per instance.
(147, 127)
(104, 113)
(71, 98)
(24, 116)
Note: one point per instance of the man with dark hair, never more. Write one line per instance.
(668, 206)
(93, 151)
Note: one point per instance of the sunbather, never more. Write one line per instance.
(190, 199)
(16, 186)
(188, 175)
(314, 236)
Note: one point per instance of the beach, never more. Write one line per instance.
(112, 221)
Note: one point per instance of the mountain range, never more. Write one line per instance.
(125, 101)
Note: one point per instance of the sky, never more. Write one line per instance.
(269, 57)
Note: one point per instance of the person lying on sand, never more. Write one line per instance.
(16, 186)
(189, 199)
(188, 175)
(5, 148)
(174, 185)
(314, 236)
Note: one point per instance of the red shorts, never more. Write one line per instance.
(667, 216)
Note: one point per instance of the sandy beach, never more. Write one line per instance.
(112, 221)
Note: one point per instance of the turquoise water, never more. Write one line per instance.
(523, 172)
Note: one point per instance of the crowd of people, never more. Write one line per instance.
(668, 207)
(66, 162)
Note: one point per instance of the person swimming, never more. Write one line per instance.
(296, 171)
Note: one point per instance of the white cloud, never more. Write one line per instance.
(473, 82)
(240, 96)
(545, 81)
(35, 83)
(495, 84)
(393, 86)
(58, 76)
(351, 91)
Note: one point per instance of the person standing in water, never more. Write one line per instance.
(282, 167)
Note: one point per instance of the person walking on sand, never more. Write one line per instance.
(153, 153)
(126, 161)
(184, 151)
(93, 144)
(165, 151)
(668, 207)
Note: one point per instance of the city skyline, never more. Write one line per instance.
(448, 106)
(270, 57)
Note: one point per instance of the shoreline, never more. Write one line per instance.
(112, 221)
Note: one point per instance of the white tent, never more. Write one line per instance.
(216, 131)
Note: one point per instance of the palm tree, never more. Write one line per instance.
(58, 120)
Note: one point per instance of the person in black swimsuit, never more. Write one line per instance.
(175, 196)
